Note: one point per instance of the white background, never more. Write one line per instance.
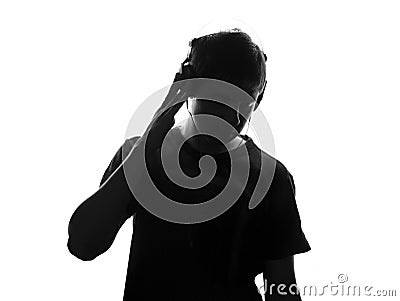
(73, 72)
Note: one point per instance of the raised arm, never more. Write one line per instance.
(96, 222)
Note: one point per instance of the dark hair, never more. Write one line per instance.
(230, 56)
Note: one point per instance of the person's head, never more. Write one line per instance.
(230, 56)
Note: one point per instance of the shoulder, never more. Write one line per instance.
(122, 152)
(131, 141)
(271, 167)
(272, 180)
(128, 145)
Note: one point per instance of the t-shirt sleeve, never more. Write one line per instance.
(119, 156)
(284, 234)
(116, 161)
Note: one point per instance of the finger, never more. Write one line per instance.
(176, 96)
(163, 116)
(180, 82)
(172, 103)
(176, 90)
(166, 117)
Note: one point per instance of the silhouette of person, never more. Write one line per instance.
(217, 259)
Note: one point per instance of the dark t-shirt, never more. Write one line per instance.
(217, 259)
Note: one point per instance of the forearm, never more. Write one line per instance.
(280, 280)
(95, 223)
(281, 291)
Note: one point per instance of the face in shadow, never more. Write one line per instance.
(220, 120)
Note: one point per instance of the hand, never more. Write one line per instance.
(163, 119)
(161, 123)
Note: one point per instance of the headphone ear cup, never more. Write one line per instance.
(187, 71)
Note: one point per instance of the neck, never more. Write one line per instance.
(202, 144)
